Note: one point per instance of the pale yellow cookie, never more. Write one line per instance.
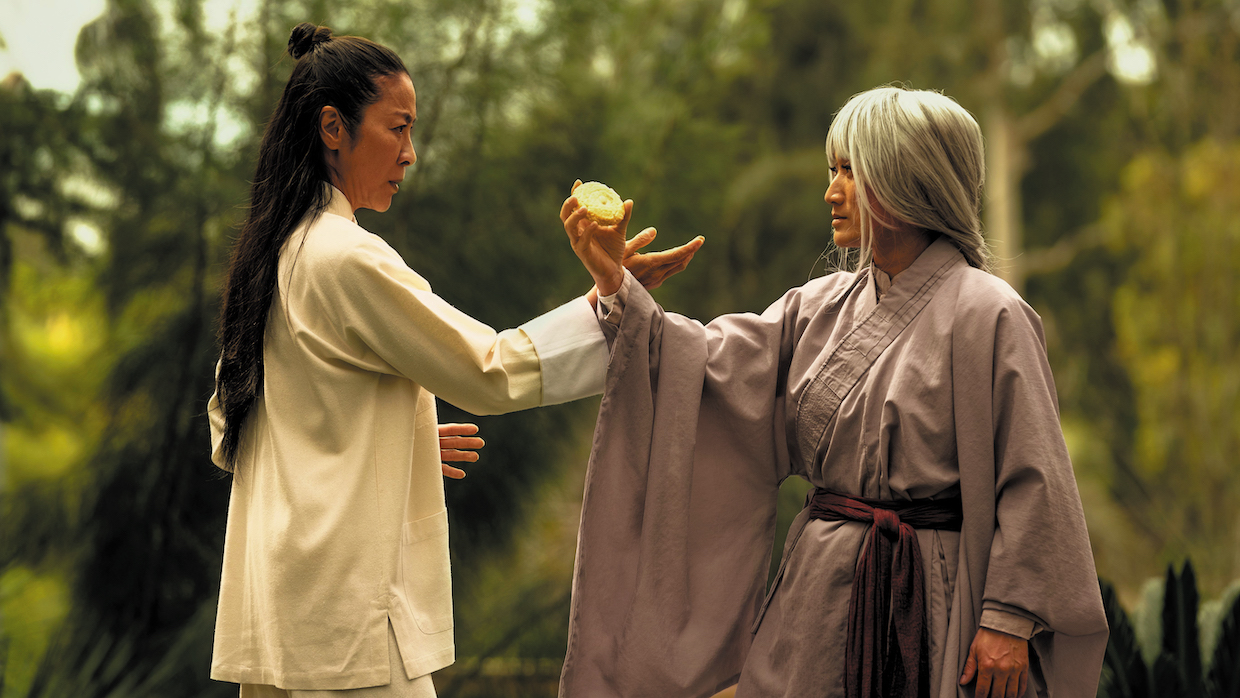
(603, 205)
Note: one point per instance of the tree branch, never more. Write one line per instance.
(1061, 254)
(1047, 114)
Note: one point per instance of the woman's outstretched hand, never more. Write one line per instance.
(651, 269)
(453, 439)
(999, 662)
(605, 252)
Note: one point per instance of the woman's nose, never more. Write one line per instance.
(833, 194)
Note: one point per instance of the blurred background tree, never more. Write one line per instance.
(1113, 200)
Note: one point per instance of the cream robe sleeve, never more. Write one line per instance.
(378, 314)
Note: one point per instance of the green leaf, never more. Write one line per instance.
(1180, 639)
(1223, 680)
(1124, 674)
(1166, 680)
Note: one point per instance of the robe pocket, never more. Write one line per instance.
(428, 572)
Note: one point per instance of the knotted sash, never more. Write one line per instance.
(888, 646)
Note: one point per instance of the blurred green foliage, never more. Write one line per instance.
(117, 205)
(1172, 644)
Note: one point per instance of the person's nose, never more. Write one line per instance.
(407, 154)
(835, 193)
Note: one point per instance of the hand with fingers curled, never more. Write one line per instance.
(458, 444)
(1000, 664)
(604, 249)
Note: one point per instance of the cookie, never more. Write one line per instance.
(603, 205)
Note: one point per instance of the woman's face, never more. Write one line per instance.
(370, 167)
(842, 195)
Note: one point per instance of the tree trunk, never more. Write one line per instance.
(1001, 209)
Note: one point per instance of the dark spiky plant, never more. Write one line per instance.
(1177, 670)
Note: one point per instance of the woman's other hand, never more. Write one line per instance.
(1000, 662)
(651, 269)
(599, 247)
(453, 440)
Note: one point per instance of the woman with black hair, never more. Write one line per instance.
(336, 570)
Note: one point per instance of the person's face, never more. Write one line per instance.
(842, 195)
(370, 167)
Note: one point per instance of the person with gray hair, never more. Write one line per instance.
(943, 551)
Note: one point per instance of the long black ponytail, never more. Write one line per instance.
(290, 183)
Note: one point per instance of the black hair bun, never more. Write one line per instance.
(306, 36)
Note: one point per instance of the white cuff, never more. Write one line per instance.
(611, 307)
(572, 352)
(605, 302)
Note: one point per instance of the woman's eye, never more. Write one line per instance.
(834, 170)
(848, 169)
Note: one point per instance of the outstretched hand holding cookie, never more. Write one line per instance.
(597, 222)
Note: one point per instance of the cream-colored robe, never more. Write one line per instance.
(337, 523)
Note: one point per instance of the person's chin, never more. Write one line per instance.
(846, 239)
(380, 206)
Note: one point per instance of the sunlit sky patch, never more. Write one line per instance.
(1131, 60)
(39, 35)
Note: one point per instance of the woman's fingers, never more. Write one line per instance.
(454, 429)
(685, 251)
(459, 442)
(653, 268)
(675, 255)
(983, 684)
(574, 224)
(970, 665)
(453, 438)
(653, 276)
(639, 241)
(1004, 685)
(623, 225)
(570, 205)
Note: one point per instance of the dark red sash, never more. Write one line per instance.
(888, 644)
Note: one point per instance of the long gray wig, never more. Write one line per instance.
(920, 154)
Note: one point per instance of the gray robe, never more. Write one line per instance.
(940, 389)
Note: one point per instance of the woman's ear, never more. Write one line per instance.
(331, 128)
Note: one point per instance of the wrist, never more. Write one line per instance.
(610, 285)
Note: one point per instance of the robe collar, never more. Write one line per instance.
(881, 280)
(908, 282)
(338, 204)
